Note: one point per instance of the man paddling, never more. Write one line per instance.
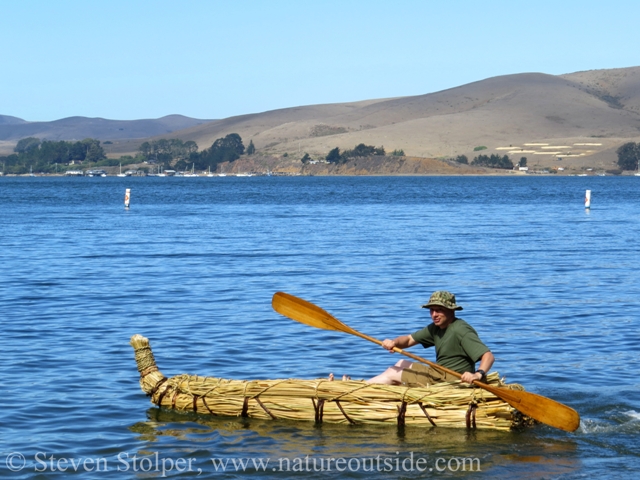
(458, 348)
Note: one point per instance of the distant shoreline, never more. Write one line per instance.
(276, 174)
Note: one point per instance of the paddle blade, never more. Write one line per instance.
(305, 312)
(542, 409)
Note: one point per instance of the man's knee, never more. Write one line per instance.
(403, 364)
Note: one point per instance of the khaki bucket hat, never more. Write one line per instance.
(444, 299)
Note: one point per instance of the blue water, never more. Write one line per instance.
(552, 288)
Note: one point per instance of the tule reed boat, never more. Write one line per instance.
(451, 405)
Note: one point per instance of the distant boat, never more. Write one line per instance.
(192, 174)
(121, 174)
(159, 174)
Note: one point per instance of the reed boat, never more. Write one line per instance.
(451, 405)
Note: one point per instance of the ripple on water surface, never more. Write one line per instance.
(550, 287)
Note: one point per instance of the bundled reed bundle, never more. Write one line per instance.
(444, 405)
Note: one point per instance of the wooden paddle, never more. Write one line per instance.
(540, 408)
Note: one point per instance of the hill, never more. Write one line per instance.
(575, 120)
(580, 118)
(13, 129)
(8, 120)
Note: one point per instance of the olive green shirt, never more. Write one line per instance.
(458, 346)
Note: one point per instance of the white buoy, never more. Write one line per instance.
(587, 199)
(127, 197)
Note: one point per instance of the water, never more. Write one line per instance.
(552, 288)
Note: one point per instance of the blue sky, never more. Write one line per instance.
(132, 59)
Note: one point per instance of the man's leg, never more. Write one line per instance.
(392, 375)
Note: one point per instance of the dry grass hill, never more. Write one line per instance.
(579, 118)
(13, 129)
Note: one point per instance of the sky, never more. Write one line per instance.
(211, 59)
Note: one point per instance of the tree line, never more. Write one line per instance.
(361, 150)
(33, 154)
(181, 155)
(167, 150)
(629, 156)
(44, 156)
(493, 161)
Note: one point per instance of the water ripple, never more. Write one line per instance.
(551, 288)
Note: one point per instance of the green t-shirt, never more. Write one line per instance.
(458, 346)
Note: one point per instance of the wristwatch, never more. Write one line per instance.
(482, 372)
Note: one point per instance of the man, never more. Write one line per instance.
(457, 348)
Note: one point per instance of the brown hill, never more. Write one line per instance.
(580, 118)
(9, 120)
(13, 129)
(574, 120)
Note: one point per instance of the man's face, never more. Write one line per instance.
(441, 316)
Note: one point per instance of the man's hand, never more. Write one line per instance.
(389, 345)
(469, 377)
(401, 342)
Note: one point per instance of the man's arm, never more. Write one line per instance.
(486, 361)
(402, 342)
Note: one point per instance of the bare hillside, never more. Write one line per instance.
(580, 118)
(575, 120)
(619, 87)
(13, 129)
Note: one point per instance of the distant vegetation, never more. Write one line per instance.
(398, 153)
(481, 147)
(32, 154)
(227, 149)
(360, 150)
(462, 159)
(493, 161)
(325, 130)
(166, 151)
(181, 155)
(629, 156)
